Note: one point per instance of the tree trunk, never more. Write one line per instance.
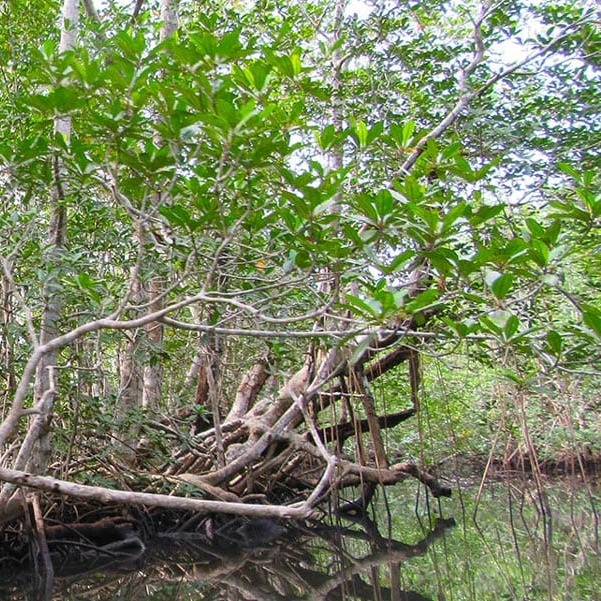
(153, 371)
(44, 387)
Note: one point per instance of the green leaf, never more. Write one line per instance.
(554, 341)
(295, 62)
(569, 170)
(412, 189)
(500, 284)
(400, 261)
(485, 213)
(303, 259)
(511, 327)
(326, 137)
(499, 318)
(485, 170)
(371, 308)
(89, 286)
(84, 280)
(513, 376)
(228, 111)
(374, 133)
(443, 259)
(535, 228)
(489, 325)
(456, 212)
(256, 75)
(131, 43)
(361, 133)
(408, 131)
(553, 231)
(540, 252)
(516, 251)
(178, 215)
(205, 43)
(460, 328)
(402, 135)
(424, 300)
(229, 46)
(592, 318)
(464, 169)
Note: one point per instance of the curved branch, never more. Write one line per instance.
(468, 96)
(396, 473)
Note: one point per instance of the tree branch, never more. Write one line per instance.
(467, 96)
(106, 495)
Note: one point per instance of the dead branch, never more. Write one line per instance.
(343, 431)
(106, 495)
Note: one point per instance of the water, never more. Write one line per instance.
(509, 541)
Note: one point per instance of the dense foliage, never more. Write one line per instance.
(273, 175)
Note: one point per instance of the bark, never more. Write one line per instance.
(212, 372)
(169, 18)
(282, 439)
(130, 375)
(153, 371)
(360, 384)
(345, 429)
(8, 377)
(415, 377)
(44, 387)
(267, 438)
(91, 10)
(43, 561)
(104, 495)
(136, 11)
(249, 388)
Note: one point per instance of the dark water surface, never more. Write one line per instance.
(504, 540)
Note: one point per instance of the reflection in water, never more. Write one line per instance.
(513, 543)
(509, 543)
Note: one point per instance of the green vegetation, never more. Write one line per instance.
(231, 233)
(471, 410)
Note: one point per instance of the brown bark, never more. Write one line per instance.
(344, 430)
(415, 377)
(43, 561)
(130, 375)
(369, 407)
(249, 388)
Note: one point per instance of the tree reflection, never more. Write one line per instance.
(211, 557)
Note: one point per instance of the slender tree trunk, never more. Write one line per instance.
(7, 380)
(169, 18)
(153, 372)
(131, 375)
(152, 385)
(44, 386)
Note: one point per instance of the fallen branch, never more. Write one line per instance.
(106, 495)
